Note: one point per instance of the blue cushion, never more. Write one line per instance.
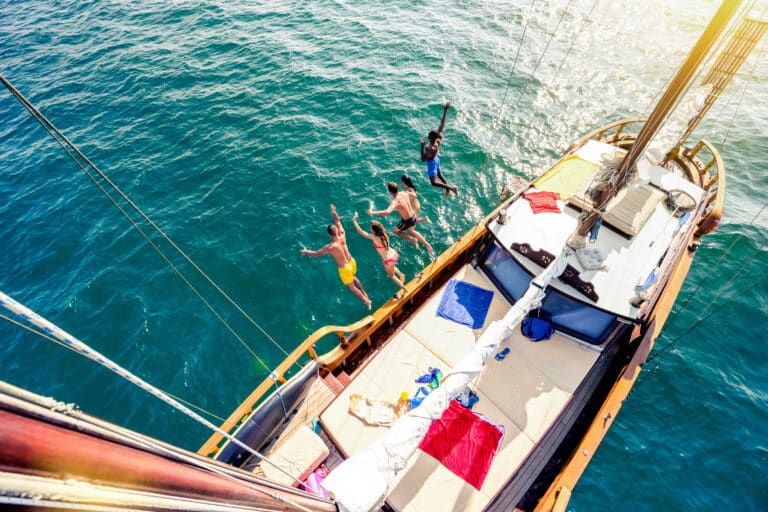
(465, 303)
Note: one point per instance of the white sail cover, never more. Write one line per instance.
(360, 483)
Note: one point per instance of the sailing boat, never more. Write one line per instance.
(593, 253)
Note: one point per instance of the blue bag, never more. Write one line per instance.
(537, 329)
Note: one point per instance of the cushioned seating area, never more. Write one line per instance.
(628, 211)
(425, 485)
(447, 339)
(524, 392)
(566, 176)
(299, 455)
(561, 359)
(389, 374)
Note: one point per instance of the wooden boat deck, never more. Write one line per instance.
(319, 396)
(525, 392)
(629, 258)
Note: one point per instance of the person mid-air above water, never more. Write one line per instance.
(429, 155)
(338, 250)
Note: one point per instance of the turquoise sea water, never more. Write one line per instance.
(234, 125)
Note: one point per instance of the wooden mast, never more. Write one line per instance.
(677, 88)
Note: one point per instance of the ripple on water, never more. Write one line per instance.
(234, 126)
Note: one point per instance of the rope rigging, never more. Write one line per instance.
(573, 42)
(701, 317)
(719, 48)
(699, 320)
(744, 89)
(84, 350)
(64, 345)
(87, 166)
(497, 123)
(109, 431)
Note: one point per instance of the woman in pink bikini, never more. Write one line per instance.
(389, 256)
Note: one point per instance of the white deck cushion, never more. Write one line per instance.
(631, 207)
(299, 455)
(447, 339)
(430, 487)
(561, 359)
(523, 393)
(390, 373)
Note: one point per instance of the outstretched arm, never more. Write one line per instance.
(442, 121)
(320, 252)
(359, 229)
(337, 220)
(383, 213)
(423, 152)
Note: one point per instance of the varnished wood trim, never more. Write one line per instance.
(246, 407)
(575, 467)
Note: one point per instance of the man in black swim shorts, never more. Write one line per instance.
(405, 228)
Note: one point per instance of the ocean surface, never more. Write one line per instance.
(234, 125)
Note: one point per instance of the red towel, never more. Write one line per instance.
(465, 442)
(543, 201)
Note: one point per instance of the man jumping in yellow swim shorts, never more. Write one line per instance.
(337, 248)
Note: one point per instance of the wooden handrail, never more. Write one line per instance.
(340, 331)
(363, 329)
(712, 218)
(599, 133)
(307, 346)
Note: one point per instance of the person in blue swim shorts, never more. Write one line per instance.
(429, 155)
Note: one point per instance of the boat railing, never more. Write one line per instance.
(277, 377)
(351, 337)
(616, 132)
(702, 160)
(712, 180)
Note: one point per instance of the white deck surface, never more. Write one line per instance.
(525, 393)
(629, 261)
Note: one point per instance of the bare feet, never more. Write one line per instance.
(415, 243)
(455, 190)
(447, 192)
(368, 304)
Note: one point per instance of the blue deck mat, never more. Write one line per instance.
(465, 303)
